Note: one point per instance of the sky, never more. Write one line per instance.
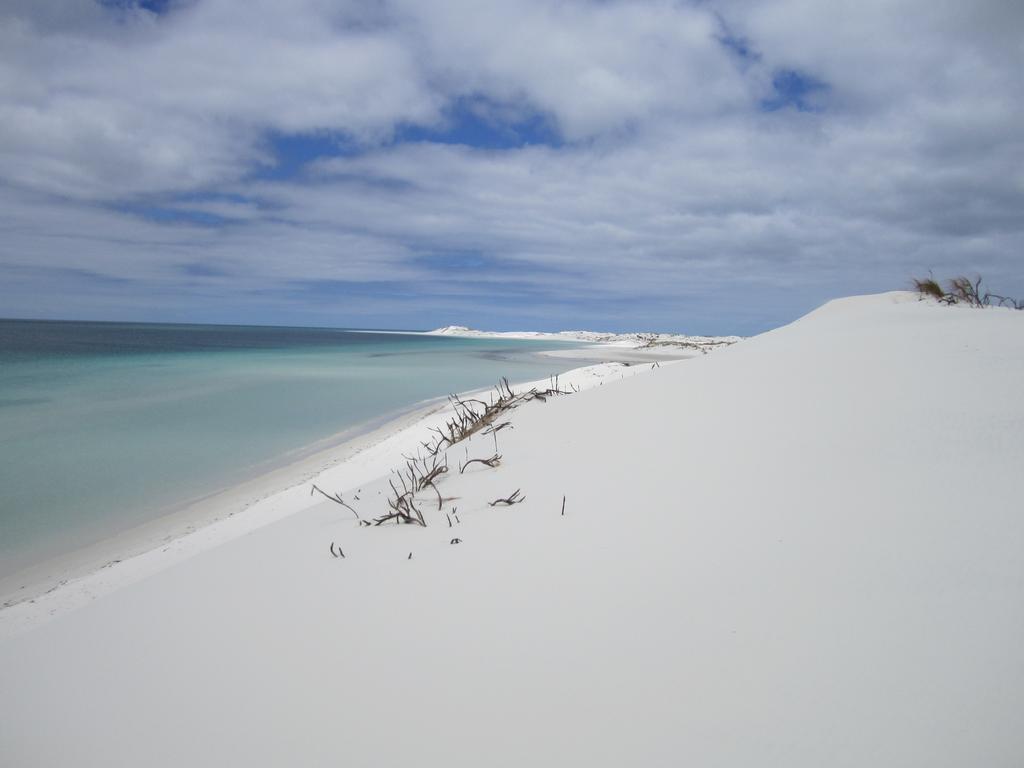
(710, 166)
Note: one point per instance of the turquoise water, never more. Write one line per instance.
(104, 426)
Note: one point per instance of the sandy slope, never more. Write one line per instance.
(802, 550)
(57, 586)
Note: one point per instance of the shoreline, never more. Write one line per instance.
(182, 519)
(178, 527)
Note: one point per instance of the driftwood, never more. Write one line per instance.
(434, 472)
(515, 498)
(403, 507)
(440, 500)
(492, 462)
(963, 290)
(498, 427)
(1005, 301)
(423, 473)
(470, 415)
(336, 498)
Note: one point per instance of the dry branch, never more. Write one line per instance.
(963, 290)
(492, 462)
(336, 498)
(403, 507)
(515, 498)
(498, 427)
(470, 415)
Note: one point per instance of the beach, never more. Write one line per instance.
(108, 426)
(800, 549)
(178, 529)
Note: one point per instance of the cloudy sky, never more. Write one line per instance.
(708, 166)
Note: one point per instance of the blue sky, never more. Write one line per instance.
(720, 166)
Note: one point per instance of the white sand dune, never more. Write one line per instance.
(646, 345)
(803, 550)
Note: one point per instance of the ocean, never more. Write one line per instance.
(104, 426)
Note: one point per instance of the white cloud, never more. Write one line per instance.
(597, 67)
(672, 191)
(131, 103)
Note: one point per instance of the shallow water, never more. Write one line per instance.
(106, 425)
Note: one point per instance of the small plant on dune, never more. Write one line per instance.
(967, 292)
(963, 290)
(929, 287)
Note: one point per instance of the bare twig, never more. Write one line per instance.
(403, 507)
(498, 427)
(492, 462)
(336, 498)
(469, 416)
(964, 290)
(515, 498)
(440, 501)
